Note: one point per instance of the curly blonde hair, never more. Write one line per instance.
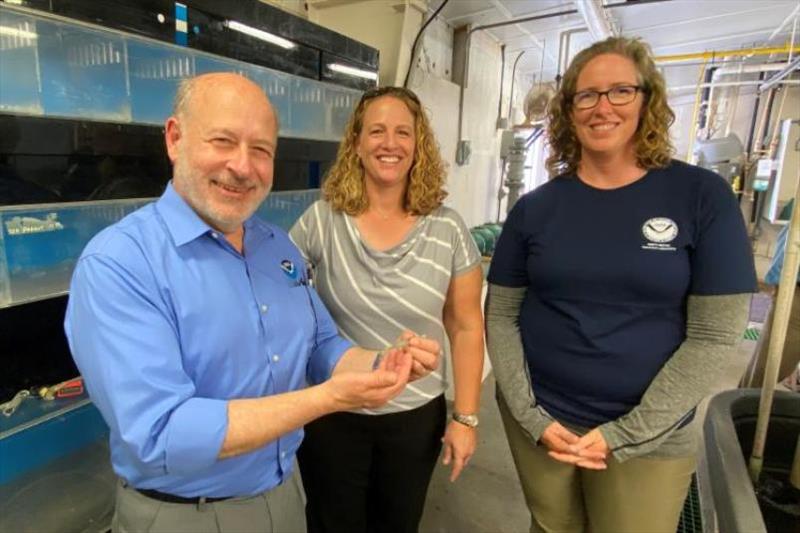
(344, 185)
(653, 146)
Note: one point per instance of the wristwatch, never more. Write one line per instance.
(467, 420)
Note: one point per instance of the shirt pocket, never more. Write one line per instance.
(290, 328)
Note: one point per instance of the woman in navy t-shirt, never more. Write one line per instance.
(618, 292)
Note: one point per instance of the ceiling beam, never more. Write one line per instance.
(477, 13)
(784, 23)
(700, 19)
(754, 33)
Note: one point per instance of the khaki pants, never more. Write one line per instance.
(280, 510)
(639, 495)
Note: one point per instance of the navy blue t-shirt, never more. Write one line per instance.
(608, 273)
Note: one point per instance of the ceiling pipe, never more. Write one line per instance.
(511, 94)
(728, 84)
(717, 54)
(784, 23)
(498, 122)
(749, 69)
(791, 67)
(537, 17)
(596, 19)
(753, 120)
(564, 39)
(462, 150)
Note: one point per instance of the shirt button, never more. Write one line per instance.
(276, 358)
(264, 308)
(283, 455)
(215, 234)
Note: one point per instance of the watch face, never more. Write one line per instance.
(467, 420)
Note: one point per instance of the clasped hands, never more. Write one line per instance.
(589, 451)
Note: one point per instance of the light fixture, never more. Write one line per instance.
(352, 71)
(259, 34)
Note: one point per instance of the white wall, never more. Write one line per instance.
(295, 7)
(388, 25)
(473, 187)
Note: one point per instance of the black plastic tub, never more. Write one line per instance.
(729, 428)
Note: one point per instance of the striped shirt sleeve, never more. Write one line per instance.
(302, 233)
(465, 251)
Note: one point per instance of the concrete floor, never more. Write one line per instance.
(487, 498)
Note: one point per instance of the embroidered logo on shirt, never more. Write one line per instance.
(288, 268)
(659, 231)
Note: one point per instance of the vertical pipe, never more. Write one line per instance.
(733, 103)
(695, 111)
(758, 197)
(561, 37)
(502, 77)
(753, 120)
(780, 323)
(705, 103)
(515, 176)
(763, 125)
(511, 91)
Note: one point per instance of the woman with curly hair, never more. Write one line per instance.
(617, 294)
(389, 257)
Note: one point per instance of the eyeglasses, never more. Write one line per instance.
(620, 95)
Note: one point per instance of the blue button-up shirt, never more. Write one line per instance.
(167, 322)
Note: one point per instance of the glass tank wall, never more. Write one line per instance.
(64, 69)
(40, 244)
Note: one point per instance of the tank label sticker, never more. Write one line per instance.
(22, 225)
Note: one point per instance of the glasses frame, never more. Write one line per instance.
(637, 89)
(389, 90)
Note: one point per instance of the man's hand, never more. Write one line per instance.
(424, 352)
(353, 390)
(589, 451)
(459, 445)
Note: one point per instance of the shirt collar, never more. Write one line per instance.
(185, 225)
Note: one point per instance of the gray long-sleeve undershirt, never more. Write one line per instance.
(714, 327)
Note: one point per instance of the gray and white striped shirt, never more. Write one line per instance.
(374, 295)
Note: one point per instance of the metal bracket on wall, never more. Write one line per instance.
(463, 152)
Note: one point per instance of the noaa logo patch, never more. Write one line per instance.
(289, 269)
(660, 230)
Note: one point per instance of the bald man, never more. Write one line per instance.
(196, 331)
